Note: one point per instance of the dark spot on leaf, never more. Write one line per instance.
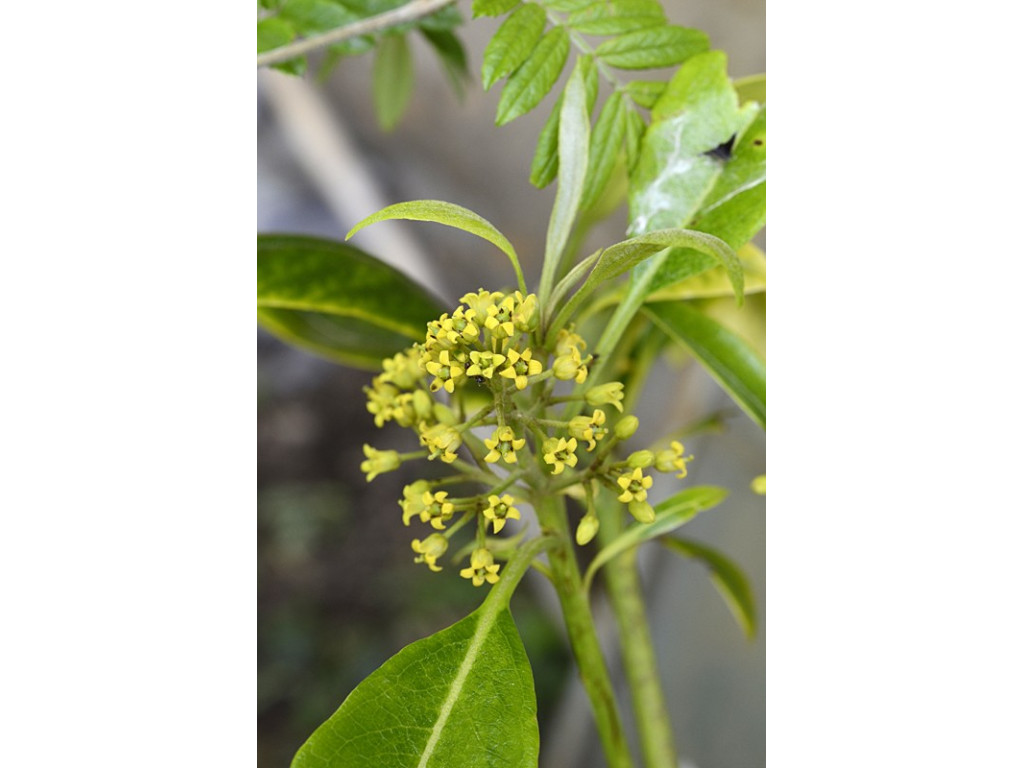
(724, 150)
(758, 142)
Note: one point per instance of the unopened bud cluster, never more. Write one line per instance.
(483, 368)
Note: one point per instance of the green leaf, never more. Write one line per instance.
(461, 697)
(635, 129)
(727, 357)
(652, 48)
(604, 148)
(702, 161)
(712, 282)
(276, 32)
(573, 148)
(493, 7)
(529, 84)
(752, 88)
(735, 208)
(393, 80)
(645, 92)
(544, 167)
(450, 215)
(512, 43)
(452, 55)
(616, 17)
(668, 515)
(338, 301)
(314, 16)
(727, 577)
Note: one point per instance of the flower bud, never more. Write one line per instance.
(606, 394)
(430, 549)
(378, 462)
(422, 404)
(641, 459)
(626, 427)
(586, 530)
(642, 511)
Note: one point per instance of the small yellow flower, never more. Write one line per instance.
(459, 328)
(381, 401)
(499, 318)
(521, 365)
(559, 452)
(484, 363)
(757, 485)
(499, 510)
(378, 462)
(606, 394)
(446, 371)
(588, 428)
(437, 510)
(442, 440)
(503, 444)
(481, 568)
(634, 485)
(672, 459)
(568, 341)
(403, 370)
(525, 317)
(413, 503)
(570, 366)
(480, 301)
(430, 549)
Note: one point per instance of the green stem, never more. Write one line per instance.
(623, 585)
(582, 634)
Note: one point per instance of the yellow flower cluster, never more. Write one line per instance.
(491, 340)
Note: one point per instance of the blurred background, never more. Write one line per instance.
(338, 591)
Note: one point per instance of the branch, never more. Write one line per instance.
(408, 12)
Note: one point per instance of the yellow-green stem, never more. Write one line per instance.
(623, 584)
(579, 622)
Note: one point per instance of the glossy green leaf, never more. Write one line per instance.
(393, 80)
(452, 55)
(604, 148)
(645, 92)
(652, 48)
(461, 697)
(728, 358)
(616, 17)
(544, 167)
(338, 301)
(450, 215)
(529, 84)
(573, 150)
(668, 516)
(687, 171)
(752, 88)
(727, 577)
(493, 7)
(512, 43)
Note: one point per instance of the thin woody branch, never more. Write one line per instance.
(408, 12)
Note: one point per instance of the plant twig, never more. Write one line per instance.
(408, 12)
